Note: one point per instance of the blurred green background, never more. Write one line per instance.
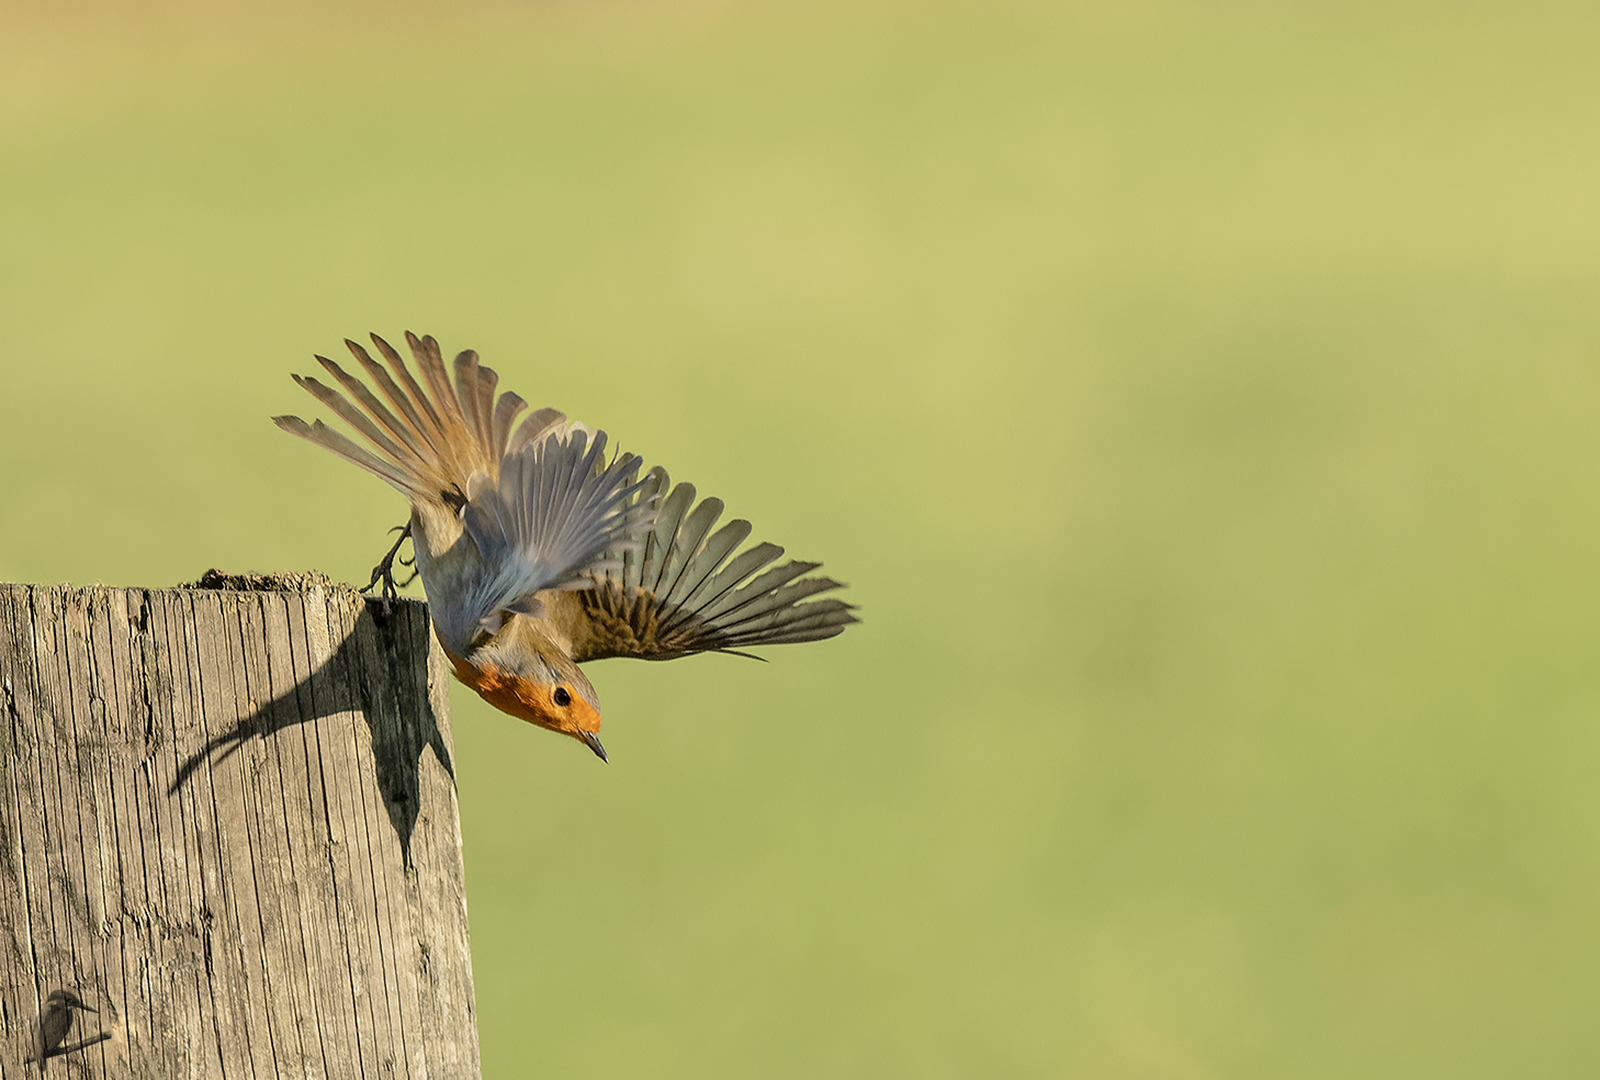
(1202, 400)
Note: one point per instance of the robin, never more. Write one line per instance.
(54, 1023)
(538, 554)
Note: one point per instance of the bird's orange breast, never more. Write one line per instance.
(511, 695)
(525, 699)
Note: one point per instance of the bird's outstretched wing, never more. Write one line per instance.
(679, 589)
(541, 503)
(558, 510)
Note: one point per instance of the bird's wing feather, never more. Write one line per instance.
(679, 589)
(557, 513)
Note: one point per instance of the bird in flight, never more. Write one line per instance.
(537, 553)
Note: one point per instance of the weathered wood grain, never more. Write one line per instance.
(228, 822)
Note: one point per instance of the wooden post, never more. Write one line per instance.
(229, 824)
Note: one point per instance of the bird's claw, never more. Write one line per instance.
(384, 571)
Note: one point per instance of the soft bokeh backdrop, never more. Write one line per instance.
(1203, 401)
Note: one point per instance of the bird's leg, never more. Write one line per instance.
(384, 571)
(411, 562)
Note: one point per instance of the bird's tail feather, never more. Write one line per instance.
(428, 438)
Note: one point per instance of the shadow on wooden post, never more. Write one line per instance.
(399, 716)
(229, 824)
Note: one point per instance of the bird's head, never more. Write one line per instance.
(68, 999)
(531, 679)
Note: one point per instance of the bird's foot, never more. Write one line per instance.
(384, 571)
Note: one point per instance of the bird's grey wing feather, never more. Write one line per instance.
(681, 590)
(536, 427)
(558, 512)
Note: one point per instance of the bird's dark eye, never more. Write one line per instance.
(562, 697)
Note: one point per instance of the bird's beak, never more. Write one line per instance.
(592, 740)
(86, 1008)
